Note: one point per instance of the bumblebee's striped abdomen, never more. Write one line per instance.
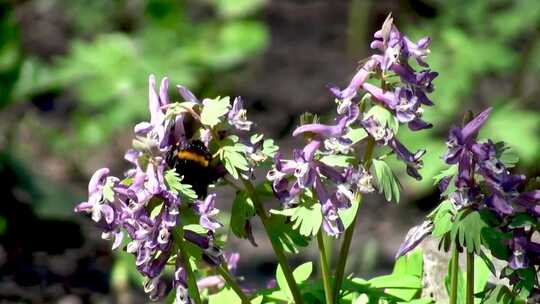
(193, 156)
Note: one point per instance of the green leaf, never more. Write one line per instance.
(495, 240)
(396, 281)
(448, 172)
(307, 219)
(383, 116)
(269, 148)
(523, 220)
(232, 156)
(347, 215)
(255, 138)
(356, 134)
(507, 155)
(174, 183)
(467, 230)
(197, 228)
(442, 219)
(107, 191)
(461, 283)
(282, 282)
(410, 264)
(300, 274)
(481, 275)
(242, 211)
(337, 160)
(499, 295)
(225, 295)
(280, 230)
(213, 110)
(387, 181)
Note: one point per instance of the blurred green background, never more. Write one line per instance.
(73, 82)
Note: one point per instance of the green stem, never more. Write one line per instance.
(276, 245)
(349, 232)
(454, 268)
(470, 278)
(324, 267)
(191, 280)
(229, 279)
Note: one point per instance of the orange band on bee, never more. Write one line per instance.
(193, 157)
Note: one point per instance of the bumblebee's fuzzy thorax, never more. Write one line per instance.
(193, 161)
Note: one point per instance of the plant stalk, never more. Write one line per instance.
(276, 246)
(349, 232)
(454, 268)
(229, 279)
(324, 267)
(470, 278)
(190, 276)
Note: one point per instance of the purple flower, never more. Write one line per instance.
(385, 136)
(206, 209)
(403, 103)
(460, 143)
(522, 250)
(216, 280)
(187, 94)
(237, 116)
(332, 224)
(306, 172)
(414, 237)
(144, 207)
(336, 130)
(381, 134)
(530, 200)
(97, 204)
(358, 80)
(355, 180)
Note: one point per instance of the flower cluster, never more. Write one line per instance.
(404, 98)
(480, 180)
(147, 204)
(396, 102)
(483, 180)
(309, 172)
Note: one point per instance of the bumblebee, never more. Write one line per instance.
(193, 161)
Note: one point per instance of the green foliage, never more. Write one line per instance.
(107, 191)
(474, 43)
(387, 181)
(300, 274)
(174, 182)
(467, 230)
(242, 211)
(213, 110)
(356, 134)
(237, 8)
(347, 215)
(232, 156)
(10, 54)
(227, 295)
(442, 218)
(289, 239)
(107, 69)
(499, 295)
(481, 275)
(306, 217)
(337, 160)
